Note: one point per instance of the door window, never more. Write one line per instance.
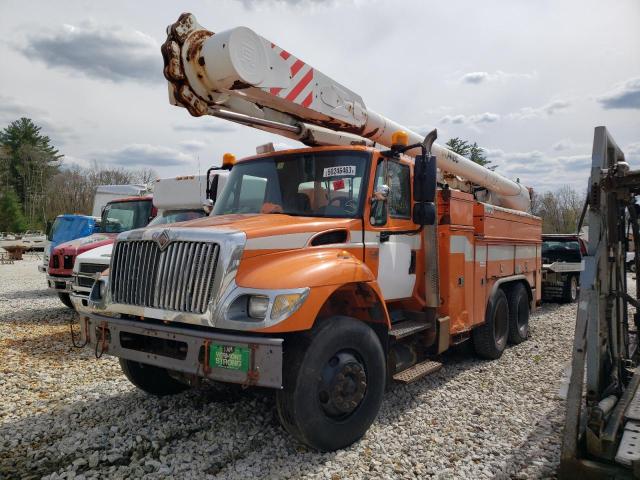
(397, 177)
(399, 182)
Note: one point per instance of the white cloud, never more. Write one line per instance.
(486, 117)
(632, 153)
(546, 110)
(144, 155)
(625, 95)
(98, 51)
(568, 144)
(206, 125)
(192, 145)
(476, 78)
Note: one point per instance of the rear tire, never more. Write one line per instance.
(570, 290)
(518, 314)
(66, 299)
(153, 380)
(334, 380)
(490, 339)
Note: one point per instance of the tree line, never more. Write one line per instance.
(36, 185)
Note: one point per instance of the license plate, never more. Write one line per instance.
(230, 357)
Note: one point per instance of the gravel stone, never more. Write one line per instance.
(64, 414)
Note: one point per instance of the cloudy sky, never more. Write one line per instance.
(527, 80)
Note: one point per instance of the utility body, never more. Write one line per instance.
(324, 272)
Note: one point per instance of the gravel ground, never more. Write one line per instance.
(64, 414)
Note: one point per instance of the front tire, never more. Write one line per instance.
(150, 379)
(334, 381)
(570, 291)
(66, 299)
(490, 339)
(518, 314)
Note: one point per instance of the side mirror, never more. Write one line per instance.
(381, 193)
(424, 213)
(207, 206)
(379, 206)
(424, 179)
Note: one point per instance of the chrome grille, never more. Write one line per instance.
(178, 278)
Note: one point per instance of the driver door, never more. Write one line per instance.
(396, 251)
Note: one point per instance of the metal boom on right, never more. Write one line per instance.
(602, 425)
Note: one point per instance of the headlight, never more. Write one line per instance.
(258, 306)
(103, 288)
(285, 305)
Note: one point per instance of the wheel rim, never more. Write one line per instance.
(501, 325)
(574, 288)
(343, 385)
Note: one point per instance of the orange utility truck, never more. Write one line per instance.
(325, 272)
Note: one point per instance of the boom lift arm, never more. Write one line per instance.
(240, 76)
(601, 426)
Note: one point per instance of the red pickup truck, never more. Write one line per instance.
(118, 216)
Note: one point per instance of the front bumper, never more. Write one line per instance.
(182, 349)
(60, 284)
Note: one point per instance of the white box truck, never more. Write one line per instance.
(106, 193)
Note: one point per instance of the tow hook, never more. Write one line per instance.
(86, 333)
(103, 336)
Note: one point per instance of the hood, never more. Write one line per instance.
(99, 254)
(80, 245)
(269, 232)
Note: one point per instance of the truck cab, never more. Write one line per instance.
(66, 228)
(561, 266)
(117, 216)
(323, 273)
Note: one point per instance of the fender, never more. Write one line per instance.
(323, 270)
(514, 278)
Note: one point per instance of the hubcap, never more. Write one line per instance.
(342, 385)
(574, 288)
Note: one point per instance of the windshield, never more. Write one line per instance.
(70, 228)
(561, 250)
(325, 184)
(122, 216)
(175, 216)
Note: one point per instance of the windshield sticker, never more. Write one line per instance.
(338, 184)
(342, 171)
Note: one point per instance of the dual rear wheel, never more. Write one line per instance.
(506, 321)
